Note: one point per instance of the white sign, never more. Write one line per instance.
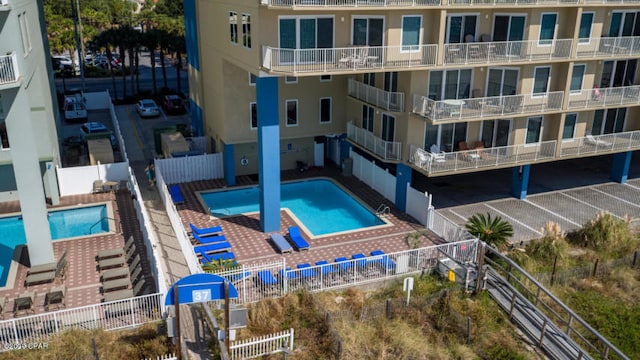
(408, 286)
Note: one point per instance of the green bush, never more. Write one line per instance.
(606, 233)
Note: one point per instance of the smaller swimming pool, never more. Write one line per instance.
(321, 205)
(64, 224)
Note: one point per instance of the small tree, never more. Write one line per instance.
(219, 265)
(494, 231)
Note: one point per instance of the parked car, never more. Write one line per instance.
(172, 104)
(94, 129)
(147, 108)
(61, 67)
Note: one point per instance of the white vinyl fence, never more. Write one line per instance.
(417, 205)
(191, 168)
(377, 178)
(447, 229)
(79, 180)
(115, 315)
(164, 357)
(264, 345)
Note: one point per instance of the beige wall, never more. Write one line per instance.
(301, 150)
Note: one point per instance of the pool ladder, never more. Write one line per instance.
(383, 210)
(100, 221)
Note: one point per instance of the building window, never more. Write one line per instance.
(325, 110)
(586, 22)
(569, 130)
(411, 25)
(577, 77)
(253, 115)
(547, 28)
(541, 80)
(246, 31)
(292, 112)
(534, 130)
(233, 26)
(459, 26)
(367, 117)
(369, 79)
(306, 33)
(24, 33)
(325, 78)
(367, 31)
(624, 23)
(252, 79)
(450, 84)
(290, 79)
(388, 127)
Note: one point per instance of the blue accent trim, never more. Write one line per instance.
(191, 33)
(268, 152)
(620, 167)
(229, 164)
(403, 178)
(345, 147)
(520, 181)
(196, 118)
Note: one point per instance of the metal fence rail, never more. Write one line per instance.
(391, 101)
(9, 69)
(264, 345)
(115, 315)
(350, 3)
(605, 97)
(388, 150)
(624, 141)
(507, 51)
(609, 46)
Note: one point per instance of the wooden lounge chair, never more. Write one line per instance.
(202, 232)
(123, 283)
(105, 254)
(280, 242)
(48, 267)
(55, 296)
(117, 261)
(120, 272)
(297, 239)
(24, 302)
(126, 293)
(176, 194)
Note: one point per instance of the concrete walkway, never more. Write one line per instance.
(139, 147)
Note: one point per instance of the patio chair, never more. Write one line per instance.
(203, 232)
(3, 304)
(109, 253)
(238, 277)
(126, 293)
(266, 278)
(590, 139)
(297, 239)
(212, 248)
(307, 272)
(208, 240)
(48, 267)
(117, 261)
(55, 296)
(343, 263)
(436, 154)
(290, 275)
(361, 260)
(280, 242)
(123, 283)
(45, 277)
(120, 272)
(176, 194)
(385, 261)
(24, 302)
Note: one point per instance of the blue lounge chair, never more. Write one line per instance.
(298, 240)
(290, 275)
(206, 258)
(326, 267)
(361, 259)
(210, 231)
(281, 243)
(212, 248)
(307, 271)
(238, 277)
(267, 278)
(385, 261)
(176, 194)
(209, 239)
(344, 263)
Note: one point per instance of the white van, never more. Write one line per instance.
(75, 108)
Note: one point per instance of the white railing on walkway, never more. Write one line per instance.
(115, 315)
(594, 144)
(176, 222)
(253, 286)
(609, 46)
(9, 72)
(507, 51)
(605, 97)
(199, 143)
(487, 107)
(482, 158)
(164, 357)
(391, 101)
(388, 150)
(512, 2)
(346, 59)
(447, 229)
(350, 3)
(263, 345)
(191, 168)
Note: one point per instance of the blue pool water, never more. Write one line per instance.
(63, 224)
(322, 206)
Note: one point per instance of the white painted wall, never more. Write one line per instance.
(79, 180)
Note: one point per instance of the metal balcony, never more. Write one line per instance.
(9, 74)
(348, 59)
(507, 51)
(482, 159)
(513, 2)
(390, 101)
(605, 97)
(487, 107)
(600, 144)
(349, 3)
(386, 150)
(614, 47)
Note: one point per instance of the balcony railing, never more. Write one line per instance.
(387, 150)
(609, 47)
(9, 69)
(605, 97)
(513, 2)
(4, 5)
(595, 144)
(350, 3)
(391, 101)
(348, 59)
(507, 51)
(487, 107)
(482, 158)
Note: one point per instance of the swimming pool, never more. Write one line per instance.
(321, 205)
(64, 224)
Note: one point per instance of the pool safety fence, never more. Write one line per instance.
(176, 221)
(275, 279)
(377, 178)
(280, 342)
(191, 168)
(114, 315)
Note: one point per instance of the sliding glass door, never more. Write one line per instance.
(367, 31)
(618, 73)
(306, 33)
(608, 121)
(450, 84)
(446, 136)
(459, 26)
(502, 81)
(509, 28)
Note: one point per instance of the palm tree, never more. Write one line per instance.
(493, 231)
(177, 45)
(150, 40)
(104, 41)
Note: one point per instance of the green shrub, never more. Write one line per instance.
(606, 233)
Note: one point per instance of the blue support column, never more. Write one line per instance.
(620, 167)
(520, 181)
(345, 147)
(196, 118)
(229, 164)
(403, 178)
(268, 152)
